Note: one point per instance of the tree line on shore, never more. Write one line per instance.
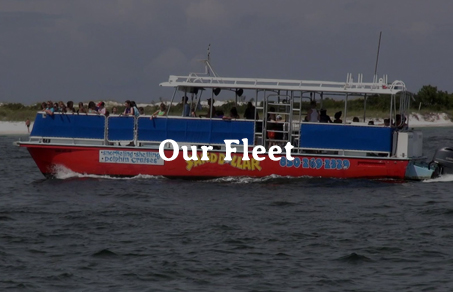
(427, 99)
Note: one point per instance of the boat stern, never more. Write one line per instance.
(420, 170)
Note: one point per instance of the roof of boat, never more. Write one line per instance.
(202, 82)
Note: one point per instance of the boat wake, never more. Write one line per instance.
(248, 179)
(62, 172)
(442, 178)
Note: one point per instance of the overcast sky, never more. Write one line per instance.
(118, 50)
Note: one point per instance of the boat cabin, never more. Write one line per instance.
(272, 97)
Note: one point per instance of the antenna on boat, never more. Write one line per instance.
(208, 59)
(208, 63)
(377, 57)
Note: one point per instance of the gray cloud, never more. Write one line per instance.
(82, 50)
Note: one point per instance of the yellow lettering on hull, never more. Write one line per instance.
(219, 158)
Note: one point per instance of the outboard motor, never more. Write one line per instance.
(444, 159)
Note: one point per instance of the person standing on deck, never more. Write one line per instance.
(313, 114)
(211, 108)
(185, 106)
(249, 113)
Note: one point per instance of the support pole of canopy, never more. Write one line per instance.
(364, 108)
(210, 114)
(183, 100)
(322, 99)
(191, 105)
(345, 108)
(391, 110)
(169, 106)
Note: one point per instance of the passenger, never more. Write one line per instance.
(56, 108)
(313, 114)
(107, 113)
(134, 106)
(70, 107)
(219, 114)
(323, 117)
(141, 110)
(397, 121)
(114, 110)
(92, 108)
(49, 109)
(193, 113)
(279, 126)
(233, 114)
(338, 117)
(161, 112)
(101, 108)
(129, 110)
(400, 122)
(185, 106)
(371, 123)
(250, 112)
(27, 123)
(43, 106)
(82, 109)
(270, 125)
(386, 122)
(355, 120)
(271, 114)
(211, 108)
(61, 107)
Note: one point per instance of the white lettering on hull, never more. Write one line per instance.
(130, 157)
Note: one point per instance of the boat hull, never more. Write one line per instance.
(131, 161)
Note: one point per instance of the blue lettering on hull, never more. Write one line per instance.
(316, 163)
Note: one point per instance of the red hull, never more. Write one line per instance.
(131, 161)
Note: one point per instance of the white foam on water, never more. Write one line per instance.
(442, 178)
(62, 172)
(248, 179)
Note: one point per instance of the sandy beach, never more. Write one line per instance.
(14, 128)
(415, 120)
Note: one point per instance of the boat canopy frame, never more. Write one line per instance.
(286, 96)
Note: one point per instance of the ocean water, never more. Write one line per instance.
(91, 233)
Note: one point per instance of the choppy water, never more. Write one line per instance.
(275, 234)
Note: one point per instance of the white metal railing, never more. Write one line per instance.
(380, 85)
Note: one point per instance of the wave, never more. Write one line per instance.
(62, 172)
(442, 178)
(248, 179)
